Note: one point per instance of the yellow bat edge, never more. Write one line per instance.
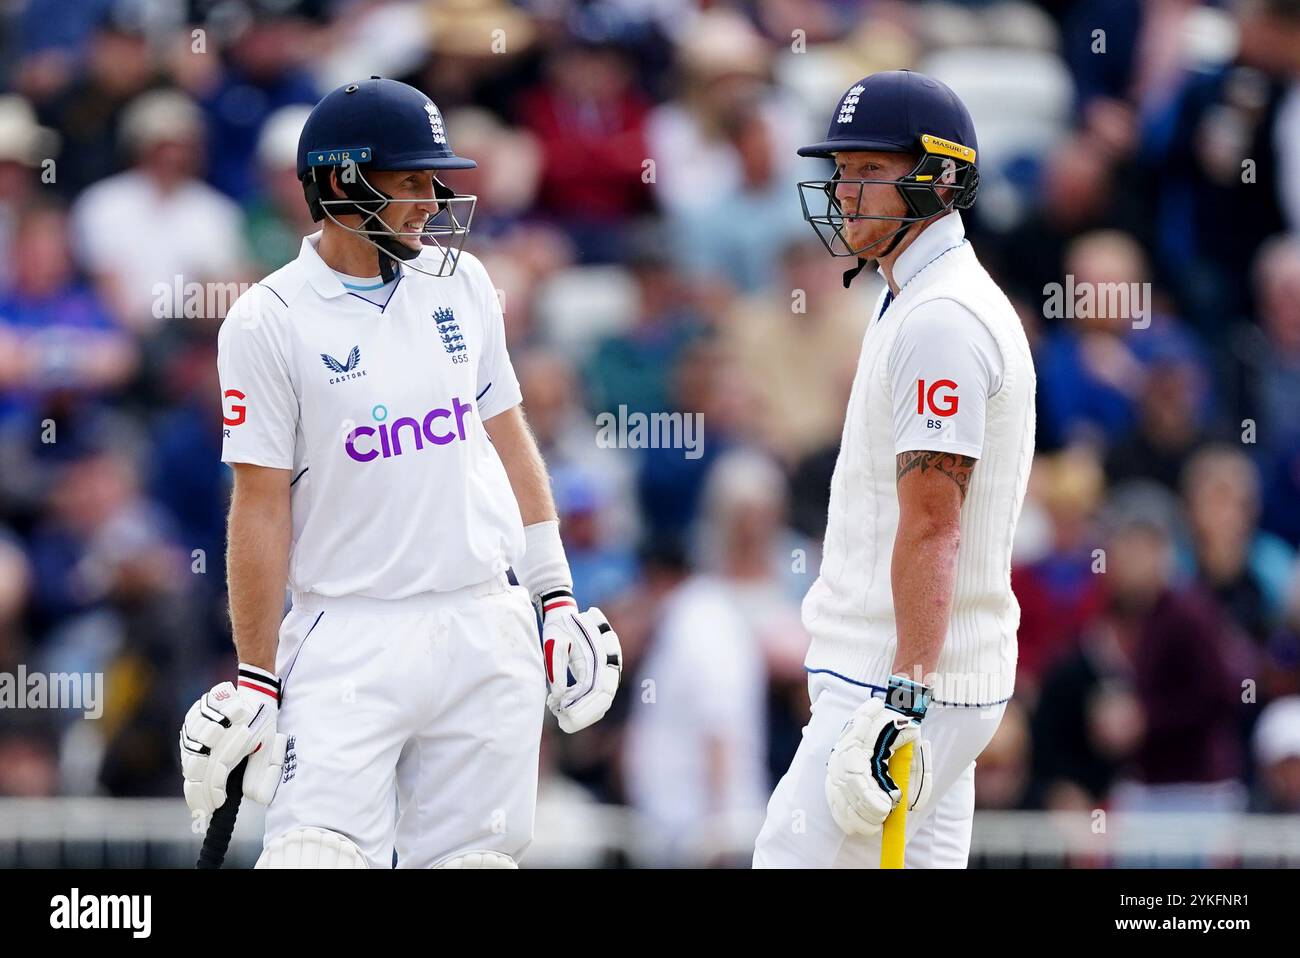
(895, 832)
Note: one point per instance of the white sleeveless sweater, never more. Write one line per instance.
(849, 611)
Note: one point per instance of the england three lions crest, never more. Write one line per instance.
(449, 331)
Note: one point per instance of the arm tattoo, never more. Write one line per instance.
(957, 468)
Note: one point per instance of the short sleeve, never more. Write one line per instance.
(943, 367)
(259, 408)
(497, 388)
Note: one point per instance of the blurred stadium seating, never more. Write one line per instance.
(638, 213)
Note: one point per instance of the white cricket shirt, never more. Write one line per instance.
(377, 408)
(945, 366)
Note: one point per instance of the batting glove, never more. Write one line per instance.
(226, 725)
(859, 789)
(582, 646)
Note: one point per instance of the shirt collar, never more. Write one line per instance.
(936, 239)
(323, 279)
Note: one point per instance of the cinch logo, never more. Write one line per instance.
(361, 441)
(926, 397)
(238, 412)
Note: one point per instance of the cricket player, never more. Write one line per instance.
(912, 618)
(384, 473)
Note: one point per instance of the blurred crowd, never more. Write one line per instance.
(637, 209)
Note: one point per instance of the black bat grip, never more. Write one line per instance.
(222, 826)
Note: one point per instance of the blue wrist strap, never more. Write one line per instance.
(907, 697)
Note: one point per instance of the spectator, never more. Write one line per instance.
(24, 147)
(589, 121)
(1152, 695)
(118, 66)
(1087, 724)
(1282, 494)
(1076, 193)
(263, 72)
(633, 368)
(15, 585)
(602, 570)
(1004, 765)
(509, 171)
(596, 757)
(1270, 352)
(1187, 665)
(29, 765)
(1061, 591)
(722, 63)
(801, 340)
(737, 234)
(717, 404)
(697, 749)
(1092, 372)
(1281, 671)
(1216, 196)
(102, 541)
(55, 333)
(1168, 427)
(1246, 570)
(1277, 750)
(190, 483)
(278, 218)
(563, 430)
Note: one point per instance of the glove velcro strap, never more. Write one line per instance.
(555, 599)
(259, 680)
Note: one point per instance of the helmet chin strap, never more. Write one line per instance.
(391, 252)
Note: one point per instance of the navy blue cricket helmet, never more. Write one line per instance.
(897, 111)
(383, 125)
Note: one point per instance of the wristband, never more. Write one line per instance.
(544, 568)
(259, 680)
(553, 600)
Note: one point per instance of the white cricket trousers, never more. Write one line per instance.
(414, 723)
(799, 831)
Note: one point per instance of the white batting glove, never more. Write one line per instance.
(226, 725)
(582, 644)
(859, 789)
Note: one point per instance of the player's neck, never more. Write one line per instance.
(348, 254)
(886, 263)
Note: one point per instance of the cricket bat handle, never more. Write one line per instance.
(895, 831)
(222, 826)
